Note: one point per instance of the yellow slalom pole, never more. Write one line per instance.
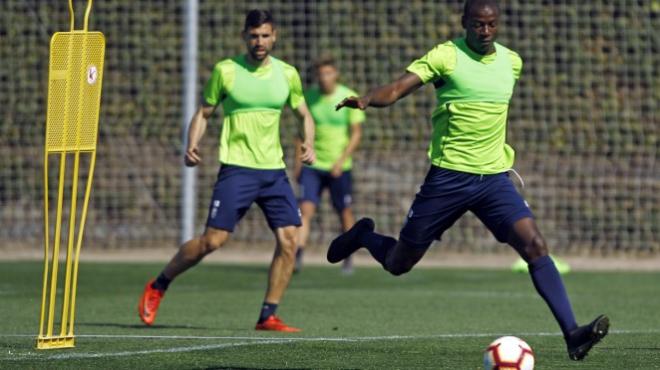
(60, 193)
(72, 16)
(74, 191)
(70, 241)
(87, 11)
(56, 246)
(46, 248)
(83, 217)
(74, 197)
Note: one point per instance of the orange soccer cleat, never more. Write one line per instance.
(274, 323)
(149, 302)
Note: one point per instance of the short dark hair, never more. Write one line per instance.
(324, 61)
(257, 17)
(469, 4)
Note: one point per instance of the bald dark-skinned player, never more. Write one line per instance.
(474, 78)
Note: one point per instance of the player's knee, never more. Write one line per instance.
(209, 243)
(307, 217)
(536, 248)
(307, 210)
(288, 243)
(399, 269)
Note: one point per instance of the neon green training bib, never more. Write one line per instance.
(252, 100)
(333, 127)
(469, 123)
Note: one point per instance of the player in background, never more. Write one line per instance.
(252, 89)
(337, 135)
(474, 79)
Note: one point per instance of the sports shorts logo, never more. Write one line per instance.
(408, 217)
(348, 200)
(214, 210)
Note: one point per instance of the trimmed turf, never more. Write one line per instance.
(425, 307)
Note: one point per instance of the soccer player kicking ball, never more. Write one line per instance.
(337, 135)
(474, 78)
(252, 89)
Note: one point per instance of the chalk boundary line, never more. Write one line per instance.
(249, 341)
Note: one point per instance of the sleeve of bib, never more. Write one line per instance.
(437, 63)
(212, 94)
(296, 96)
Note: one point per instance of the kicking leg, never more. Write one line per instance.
(499, 206)
(527, 240)
(189, 254)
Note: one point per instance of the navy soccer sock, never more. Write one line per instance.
(549, 285)
(161, 283)
(378, 245)
(267, 310)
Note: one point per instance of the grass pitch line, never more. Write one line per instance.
(82, 356)
(249, 341)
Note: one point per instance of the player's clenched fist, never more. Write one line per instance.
(192, 157)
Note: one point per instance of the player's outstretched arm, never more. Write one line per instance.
(308, 156)
(195, 132)
(386, 95)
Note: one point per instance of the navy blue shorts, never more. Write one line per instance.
(446, 195)
(313, 181)
(238, 187)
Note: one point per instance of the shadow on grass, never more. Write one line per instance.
(140, 326)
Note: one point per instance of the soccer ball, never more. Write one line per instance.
(509, 353)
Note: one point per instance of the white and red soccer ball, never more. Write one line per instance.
(509, 353)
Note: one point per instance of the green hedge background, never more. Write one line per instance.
(583, 119)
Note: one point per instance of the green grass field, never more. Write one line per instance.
(430, 318)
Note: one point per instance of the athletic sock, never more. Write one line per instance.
(549, 285)
(161, 283)
(378, 245)
(299, 254)
(267, 310)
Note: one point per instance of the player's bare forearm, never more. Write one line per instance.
(197, 129)
(386, 95)
(307, 156)
(353, 143)
(297, 164)
(195, 133)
